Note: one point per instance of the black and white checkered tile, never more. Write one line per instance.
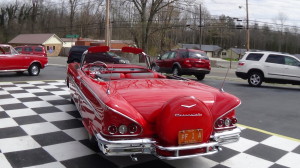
(39, 127)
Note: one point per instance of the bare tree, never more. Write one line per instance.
(73, 8)
(147, 10)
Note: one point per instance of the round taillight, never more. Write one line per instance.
(112, 129)
(132, 128)
(220, 122)
(122, 129)
(227, 122)
(233, 120)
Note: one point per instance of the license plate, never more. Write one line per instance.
(190, 136)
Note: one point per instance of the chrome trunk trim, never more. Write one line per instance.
(127, 147)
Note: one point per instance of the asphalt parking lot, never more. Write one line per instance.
(39, 127)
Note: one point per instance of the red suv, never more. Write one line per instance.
(32, 49)
(183, 62)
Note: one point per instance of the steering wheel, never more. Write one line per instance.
(103, 65)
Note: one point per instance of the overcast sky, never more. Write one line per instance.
(259, 10)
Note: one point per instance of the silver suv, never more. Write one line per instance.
(258, 67)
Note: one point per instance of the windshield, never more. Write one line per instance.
(8, 50)
(198, 55)
(113, 56)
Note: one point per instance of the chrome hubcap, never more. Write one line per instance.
(35, 70)
(255, 79)
(175, 71)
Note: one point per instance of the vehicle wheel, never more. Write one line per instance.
(34, 70)
(176, 71)
(94, 142)
(200, 76)
(255, 79)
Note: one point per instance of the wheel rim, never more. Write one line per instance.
(175, 71)
(255, 79)
(35, 70)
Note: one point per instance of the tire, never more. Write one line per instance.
(176, 71)
(255, 79)
(34, 70)
(200, 76)
(94, 143)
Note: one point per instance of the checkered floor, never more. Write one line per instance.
(39, 127)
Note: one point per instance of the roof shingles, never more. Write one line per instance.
(31, 38)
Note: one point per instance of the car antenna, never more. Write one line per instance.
(222, 86)
(108, 87)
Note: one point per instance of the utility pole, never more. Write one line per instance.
(107, 24)
(248, 31)
(200, 31)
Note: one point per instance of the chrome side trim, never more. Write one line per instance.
(223, 116)
(13, 70)
(82, 95)
(113, 110)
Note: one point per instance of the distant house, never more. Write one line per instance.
(51, 42)
(234, 53)
(211, 50)
(68, 42)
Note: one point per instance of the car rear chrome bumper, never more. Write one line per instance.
(149, 146)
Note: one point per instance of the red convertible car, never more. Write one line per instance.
(12, 61)
(129, 109)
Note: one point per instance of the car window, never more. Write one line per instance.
(276, 59)
(28, 49)
(183, 54)
(38, 49)
(291, 61)
(93, 57)
(198, 55)
(165, 56)
(172, 55)
(19, 49)
(254, 56)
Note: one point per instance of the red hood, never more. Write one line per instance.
(148, 96)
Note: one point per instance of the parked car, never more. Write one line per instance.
(129, 109)
(258, 67)
(75, 53)
(183, 62)
(12, 61)
(32, 49)
(106, 57)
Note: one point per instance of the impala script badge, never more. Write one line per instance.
(188, 115)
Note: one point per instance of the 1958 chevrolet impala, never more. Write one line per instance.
(129, 109)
